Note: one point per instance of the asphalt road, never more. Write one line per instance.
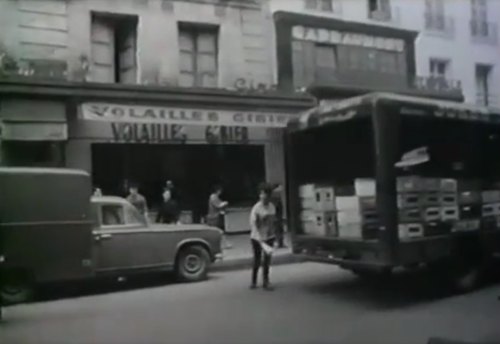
(312, 303)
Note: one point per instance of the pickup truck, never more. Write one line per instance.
(52, 230)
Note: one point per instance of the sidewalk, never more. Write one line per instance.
(240, 255)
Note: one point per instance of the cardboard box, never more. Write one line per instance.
(448, 199)
(469, 212)
(410, 231)
(488, 210)
(449, 214)
(490, 196)
(325, 222)
(449, 185)
(346, 203)
(325, 198)
(430, 199)
(409, 200)
(432, 214)
(469, 197)
(431, 184)
(365, 187)
(437, 228)
(466, 225)
(308, 203)
(307, 191)
(409, 184)
(350, 231)
(368, 203)
(348, 216)
(410, 215)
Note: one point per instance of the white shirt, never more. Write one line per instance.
(262, 221)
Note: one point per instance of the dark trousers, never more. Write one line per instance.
(280, 234)
(258, 260)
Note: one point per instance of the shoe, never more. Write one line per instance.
(253, 286)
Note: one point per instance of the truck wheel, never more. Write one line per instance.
(192, 264)
(15, 288)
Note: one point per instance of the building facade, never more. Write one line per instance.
(457, 40)
(145, 91)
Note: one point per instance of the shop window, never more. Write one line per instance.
(326, 60)
(30, 154)
(439, 68)
(319, 5)
(114, 48)
(198, 49)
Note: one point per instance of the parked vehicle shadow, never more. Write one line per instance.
(102, 286)
(402, 289)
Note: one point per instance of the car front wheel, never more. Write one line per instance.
(192, 264)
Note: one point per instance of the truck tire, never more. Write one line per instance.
(192, 264)
(16, 287)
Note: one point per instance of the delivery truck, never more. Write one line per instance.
(384, 181)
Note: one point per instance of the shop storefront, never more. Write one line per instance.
(197, 139)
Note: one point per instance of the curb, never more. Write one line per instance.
(246, 262)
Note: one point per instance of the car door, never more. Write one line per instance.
(123, 240)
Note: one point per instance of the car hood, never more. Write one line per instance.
(184, 228)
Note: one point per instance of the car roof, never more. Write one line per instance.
(108, 199)
(41, 170)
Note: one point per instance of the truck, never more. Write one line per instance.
(53, 230)
(383, 181)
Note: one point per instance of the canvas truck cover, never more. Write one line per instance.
(45, 222)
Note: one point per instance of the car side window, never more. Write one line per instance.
(132, 215)
(113, 215)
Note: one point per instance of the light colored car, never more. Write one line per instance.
(124, 242)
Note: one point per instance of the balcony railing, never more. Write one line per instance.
(487, 99)
(439, 23)
(385, 81)
(484, 32)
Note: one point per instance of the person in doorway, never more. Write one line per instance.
(279, 226)
(262, 235)
(169, 210)
(216, 213)
(137, 200)
(169, 186)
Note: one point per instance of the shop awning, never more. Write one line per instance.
(32, 120)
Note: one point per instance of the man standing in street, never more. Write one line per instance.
(278, 204)
(138, 200)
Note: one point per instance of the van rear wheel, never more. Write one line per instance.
(16, 287)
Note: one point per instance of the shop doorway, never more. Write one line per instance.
(194, 169)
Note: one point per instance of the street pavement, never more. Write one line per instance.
(312, 303)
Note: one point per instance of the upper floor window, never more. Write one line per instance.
(114, 48)
(483, 87)
(379, 10)
(439, 68)
(319, 5)
(198, 48)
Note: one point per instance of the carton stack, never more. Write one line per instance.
(357, 215)
(411, 207)
(469, 206)
(318, 210)
(490, 208)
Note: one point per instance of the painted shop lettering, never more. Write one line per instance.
(148, 133)
(222, 134)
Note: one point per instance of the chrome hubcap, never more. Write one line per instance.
(193, 263)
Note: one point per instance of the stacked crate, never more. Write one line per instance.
(490, 209)
(411, 207)
(357, 214)
(470, 206)
(318, 210)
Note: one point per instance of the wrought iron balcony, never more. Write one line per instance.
(390, 15)
(484, 32)
(369, 81)
(440, 24)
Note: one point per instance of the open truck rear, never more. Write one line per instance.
(385, 181)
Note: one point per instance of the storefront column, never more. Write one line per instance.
(275, 156)
(79, 155)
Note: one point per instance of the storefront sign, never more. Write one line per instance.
(148, 132)
(180, 116)
(347, 38)
(221, 134)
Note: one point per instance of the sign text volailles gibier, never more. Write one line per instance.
(182, 116)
